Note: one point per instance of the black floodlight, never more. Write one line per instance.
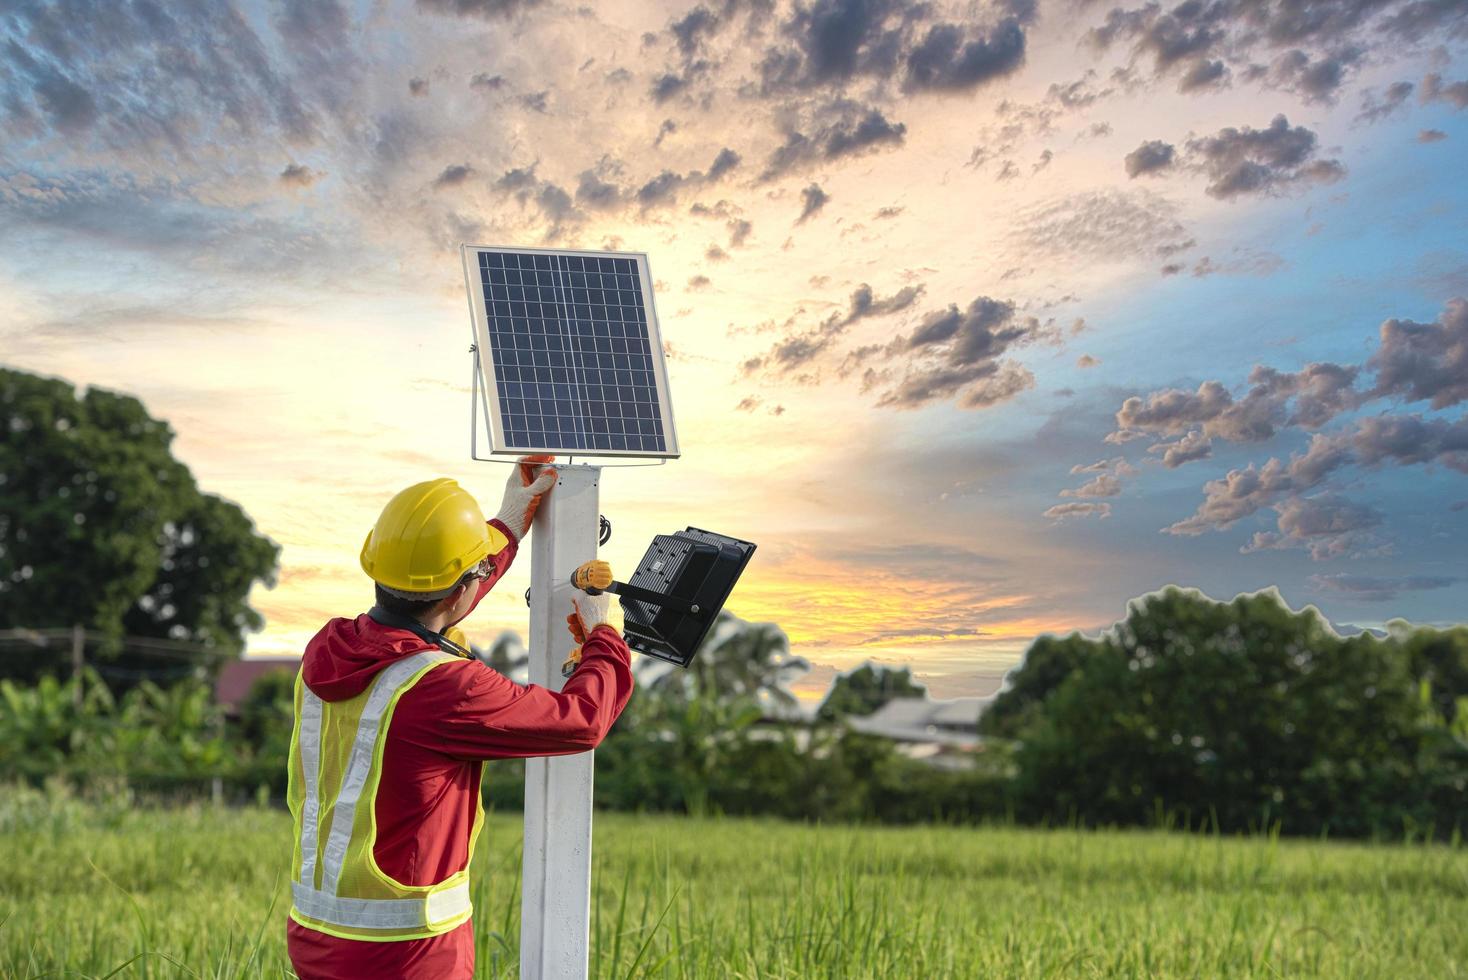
(677, 591)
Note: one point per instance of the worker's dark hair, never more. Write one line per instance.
(416, 608)
(413, 608)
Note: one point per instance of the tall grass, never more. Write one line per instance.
(116, 891)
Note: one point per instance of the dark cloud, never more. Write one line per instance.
(482, 9)
(1431, 136)
(833, 43)
(714, 253)
(1261, 161)
(800, 349)
(848, 130)
(1204, 74)
(739, 232)
(596, 194)
(950, 58)
(960, 354)
(699, 283)
(160, 81)
(299, 175)
(1313, 79)
(487, 82)
(1371, 588)
(1412, 440)
(723, 164)
(887, 212)
(1306, 46)
(661, 189)
(453, 176)
(418, 87)
(536, 101)
(812, 200)
(1153, 156)
(1424, 361)
(747, 404)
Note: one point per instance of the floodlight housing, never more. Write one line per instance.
(676, 593)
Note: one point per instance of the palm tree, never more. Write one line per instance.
(740, 659)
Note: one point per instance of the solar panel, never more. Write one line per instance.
(570, 353)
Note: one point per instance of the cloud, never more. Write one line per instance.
(799, 349)
(165, 83)
(1153, 156)
(852, 131)
(486, 82)
(1308, 398)
(812, 200)
(723, 164)
(834, 43)
(1193, 446)
(1261, 161)
(951, 59)
(1424, 361)
(1062, 512)
(1434, 89)
(299, 175)
(1328, 526)
(1204, 74)
(1392, 100)
(453, 175)
(418, 87)
(1104, 485)
(481, 9)
(1087, 361)
(1431, 136)
(960, 355)
(1103, 226)
(1371, 588)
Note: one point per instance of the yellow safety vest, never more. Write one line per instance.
(336, 765)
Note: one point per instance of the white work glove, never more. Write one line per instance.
(529, 481)
(587, 613)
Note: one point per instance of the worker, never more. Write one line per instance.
(394, 720)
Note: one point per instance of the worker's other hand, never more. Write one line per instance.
(529, 481)
(587, 613)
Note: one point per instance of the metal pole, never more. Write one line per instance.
(555, 908)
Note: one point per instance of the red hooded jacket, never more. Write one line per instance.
(459, 714)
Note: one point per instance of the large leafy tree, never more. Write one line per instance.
(1242, 714)
(866, 689)
(101, 527)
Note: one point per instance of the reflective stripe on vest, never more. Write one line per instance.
(412, 911)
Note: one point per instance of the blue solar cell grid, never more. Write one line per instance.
(573, 365)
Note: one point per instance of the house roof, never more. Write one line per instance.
(238, 676)
(919, 720)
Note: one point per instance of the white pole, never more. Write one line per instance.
(555, 908)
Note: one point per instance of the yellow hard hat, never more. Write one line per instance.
(426, 539)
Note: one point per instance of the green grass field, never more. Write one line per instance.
(200, 892)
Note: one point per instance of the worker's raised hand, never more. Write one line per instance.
(588, 612)
(529, 481)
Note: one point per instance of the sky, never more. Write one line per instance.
(981, 318)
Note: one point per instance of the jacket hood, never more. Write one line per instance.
(341, 660)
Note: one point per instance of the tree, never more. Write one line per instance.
(739, 659)
(866, 689)
(1244, 713)
(1046, 665)
(101, 526)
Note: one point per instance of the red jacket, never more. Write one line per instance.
(460, 713)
